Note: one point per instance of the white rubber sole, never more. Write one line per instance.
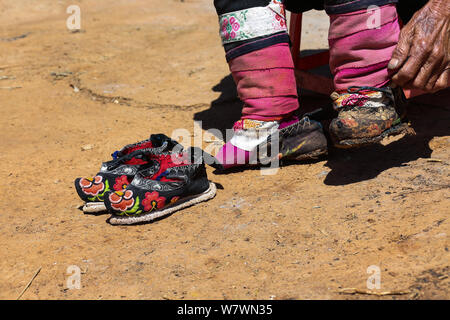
(93, 207)
(181, 204)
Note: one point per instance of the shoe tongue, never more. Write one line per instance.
(146, 144)
(164, 162)
(158, 139)
(155, 141)
(138, 159)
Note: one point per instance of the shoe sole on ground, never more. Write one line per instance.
(93, 207)
(181, 204)
(307, 147)
(402, 128)
(314, 155)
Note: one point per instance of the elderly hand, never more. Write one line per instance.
(422, 57)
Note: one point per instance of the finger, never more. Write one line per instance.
(430, 71)
(409, 71)
(443, 81)
(429, 87)
(437, 72)
(401, 52)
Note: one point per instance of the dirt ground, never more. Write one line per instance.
(140, 67)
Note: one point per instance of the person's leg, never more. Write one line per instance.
(256, 42)
(361, 42)
(362, 37)
(254, 35)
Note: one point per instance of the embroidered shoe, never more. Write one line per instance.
(255, 142)
(118, 173)
(367, 115)
(177, 181)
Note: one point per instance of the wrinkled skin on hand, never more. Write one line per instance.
(421, 59)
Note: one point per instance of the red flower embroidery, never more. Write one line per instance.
(234, 24)
(354, 100)
(230, 27)
(92, 186)
(122, 201)
(281, 18)
(121, 183)
(153, 201)
(174, 199)
(373, 129)
(349, 123)
(238, 125)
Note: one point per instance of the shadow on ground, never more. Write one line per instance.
(429, 121)
(227, 108)
(349, 166)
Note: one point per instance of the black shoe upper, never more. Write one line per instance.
(148, 192)
(116, 174)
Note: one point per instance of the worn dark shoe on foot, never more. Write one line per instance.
(177, 181)
(367, 115)
(119, 172)
(288, 139)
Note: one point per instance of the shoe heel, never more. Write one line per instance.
(311, 146)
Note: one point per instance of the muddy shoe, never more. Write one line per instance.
(119, 172)
(260, 142)
(367, 115)
(177, 182)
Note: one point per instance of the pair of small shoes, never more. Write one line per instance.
(117, 173)
(174, 181)
(127, 178)
(262, 142)
(366, 115)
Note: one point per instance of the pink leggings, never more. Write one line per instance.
(361, 45)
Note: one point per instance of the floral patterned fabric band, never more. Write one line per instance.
(253, 22)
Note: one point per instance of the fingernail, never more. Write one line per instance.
(393, 64)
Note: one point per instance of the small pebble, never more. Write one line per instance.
(323, 173)
(87, 147)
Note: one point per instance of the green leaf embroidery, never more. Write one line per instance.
(135, 208)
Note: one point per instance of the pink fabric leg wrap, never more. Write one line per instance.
(359, 55)
(230, 156)
(266, 83)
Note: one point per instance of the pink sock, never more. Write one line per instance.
(266, 83)
(231, 155)
(359, 52)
